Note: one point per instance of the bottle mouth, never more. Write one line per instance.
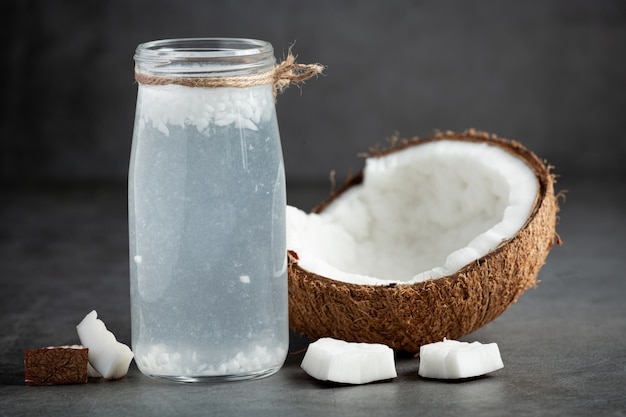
(195, 57)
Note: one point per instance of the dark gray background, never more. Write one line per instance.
(549, 73)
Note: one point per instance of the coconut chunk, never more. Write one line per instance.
(452, 359)
(335, 360)
(108, 357)
(56, 365)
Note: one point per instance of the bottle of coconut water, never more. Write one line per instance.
(207, 212)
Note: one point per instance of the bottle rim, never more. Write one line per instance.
(194, 57)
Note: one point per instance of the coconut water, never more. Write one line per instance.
(207, 234)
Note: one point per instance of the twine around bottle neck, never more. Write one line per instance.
(283, 75)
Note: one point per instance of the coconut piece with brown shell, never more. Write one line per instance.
(434, 238)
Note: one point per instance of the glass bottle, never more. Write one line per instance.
(207, 205)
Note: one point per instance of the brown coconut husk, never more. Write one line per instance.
(406, 316)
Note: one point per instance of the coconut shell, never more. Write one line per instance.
(406, 316)
(56, 365)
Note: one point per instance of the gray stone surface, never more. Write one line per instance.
(63, 252)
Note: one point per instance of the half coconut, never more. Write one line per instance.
(433, 239)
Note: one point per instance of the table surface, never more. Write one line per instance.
(63, 252)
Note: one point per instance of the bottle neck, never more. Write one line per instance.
(204, 58)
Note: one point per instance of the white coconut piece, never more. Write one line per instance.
(420, 214)
(452, 359)
(108, 357)
(335, 360)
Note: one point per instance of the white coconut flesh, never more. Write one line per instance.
(107, 356)
(452, 359)
(420, 213)
(335, 360)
